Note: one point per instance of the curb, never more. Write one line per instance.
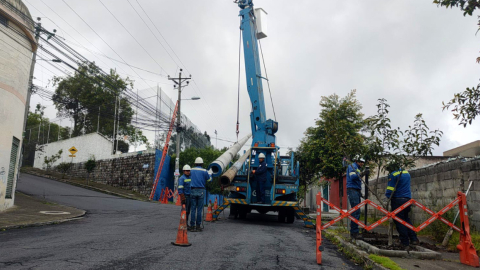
(38, 224)
(421, 253)
(353, 249)
(85, 186)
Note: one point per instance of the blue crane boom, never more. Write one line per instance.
(263, 131)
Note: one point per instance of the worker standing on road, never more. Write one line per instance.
(184, 189)
(261, 177)
(398, 189)
(354, 192)
(199, 177)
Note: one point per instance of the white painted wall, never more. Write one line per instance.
(87, 145)
(15, 61)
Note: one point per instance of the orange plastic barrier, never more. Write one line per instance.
(468, 254)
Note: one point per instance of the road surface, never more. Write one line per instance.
(120, 233)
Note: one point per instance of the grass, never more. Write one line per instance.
(385, 262)
(455, 239)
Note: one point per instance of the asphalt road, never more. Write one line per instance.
(126, 234)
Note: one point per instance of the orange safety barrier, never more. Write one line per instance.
(179, 200)
(468, 254)
(160, 199)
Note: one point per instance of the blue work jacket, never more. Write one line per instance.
(403, 187)
(199, 177)
(261, 172)
(184, 185)
(353, 177)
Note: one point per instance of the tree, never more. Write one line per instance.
(391, 150)
(39, 131)
(90, 93)
(336, 135)
(49, 161)
(466, 105)
(64, 167)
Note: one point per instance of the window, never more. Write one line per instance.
(13, 165)
(3, 20)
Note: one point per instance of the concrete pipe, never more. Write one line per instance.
(228, 176)
(219, 165)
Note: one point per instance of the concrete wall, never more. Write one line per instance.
(437, 185)
(92, 144)
(15, 61)
(133, 172)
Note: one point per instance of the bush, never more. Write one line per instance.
(64, 167)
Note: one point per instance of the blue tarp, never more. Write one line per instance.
(166, 177)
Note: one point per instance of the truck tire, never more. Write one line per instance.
(281, 216)
(290, 215)
(233, 211)
(242, 212)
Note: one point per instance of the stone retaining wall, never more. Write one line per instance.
(131, 173)
(437, 185)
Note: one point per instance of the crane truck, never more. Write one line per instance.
(282, 183)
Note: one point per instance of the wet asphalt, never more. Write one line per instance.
(120, 233)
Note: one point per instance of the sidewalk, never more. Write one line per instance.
(29, 211)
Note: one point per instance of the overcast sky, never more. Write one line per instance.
(410, 52)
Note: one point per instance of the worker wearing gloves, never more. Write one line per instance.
(184, 189)
(199, 177)
(398, 189)
(354, 192)
(261, 177)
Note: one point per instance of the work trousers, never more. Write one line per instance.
(188, 205)
(261, 191)
(406, 234)
(354, 197)
(197, 200)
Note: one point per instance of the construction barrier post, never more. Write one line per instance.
(468, 254)
(209, 216)
(319, 229)
(160, 199)
(215, 204)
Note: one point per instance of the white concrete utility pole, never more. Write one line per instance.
(178, 84)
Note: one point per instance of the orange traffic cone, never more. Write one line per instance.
(215, 205)
(182, 239)
(209, 217)
(179, 200)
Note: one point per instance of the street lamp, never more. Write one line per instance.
(193, 98)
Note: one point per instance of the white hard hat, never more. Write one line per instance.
(361, 160)
(198, 160)
(261, 155)
(187, 168)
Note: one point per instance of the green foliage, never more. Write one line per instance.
(89, 93)
(466, 105)
(390, 148)
(385, 262)
(64, 167)
(39, 131)
(90, 164)
(52, 159)
(336, 134)
(467, 6)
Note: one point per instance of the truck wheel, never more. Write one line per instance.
(233, 211)
(281, 216)
(242, 212)
(290, 216)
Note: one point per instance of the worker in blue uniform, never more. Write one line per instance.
(184, 189)
(354, 192)
(398, 189)
(261, 177)
(199, 177)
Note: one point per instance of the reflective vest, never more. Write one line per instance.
(184, 185)
(402, 189)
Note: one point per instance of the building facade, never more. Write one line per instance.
(17, 44)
